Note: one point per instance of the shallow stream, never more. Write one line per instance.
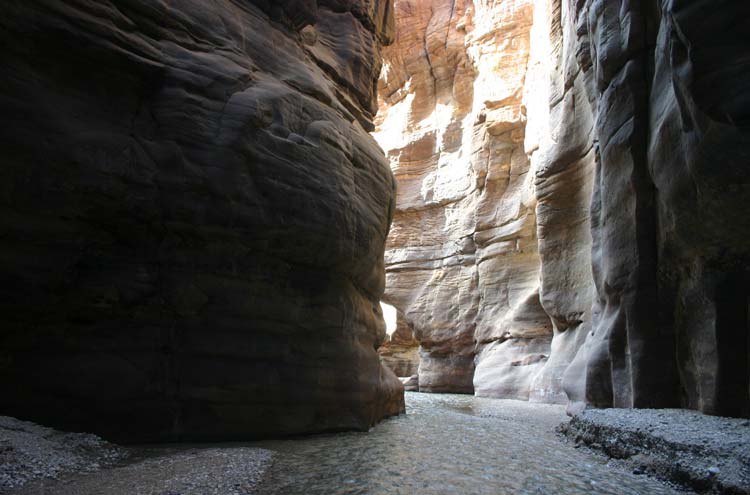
(450, 444)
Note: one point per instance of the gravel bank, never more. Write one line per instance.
(707, 454)
(196, 471)
(30, 452)
(38, 460)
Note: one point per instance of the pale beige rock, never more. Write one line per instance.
(565, 169)
(462, 260)
(559, 142)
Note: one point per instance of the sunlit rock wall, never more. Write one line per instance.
(193, 217)
(559, 142)
(566, 169)
(462, 261)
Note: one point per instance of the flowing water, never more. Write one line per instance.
(450, 444)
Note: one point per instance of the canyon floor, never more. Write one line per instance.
(444, 444)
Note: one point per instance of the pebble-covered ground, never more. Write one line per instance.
(29, 452)
(705, 453)
(171, 471)
(35, 460)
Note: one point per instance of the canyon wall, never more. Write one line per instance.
(462, 261)
(193, 217)
(570, 221)
(670, 320)
(692, 148)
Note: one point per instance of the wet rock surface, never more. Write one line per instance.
(703, 453)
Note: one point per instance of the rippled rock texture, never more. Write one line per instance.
(462, 260)
(571, 220)
(193, 217)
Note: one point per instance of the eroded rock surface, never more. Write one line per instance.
(670, 322)
(462, 260)
(565, 173)
(193, 217)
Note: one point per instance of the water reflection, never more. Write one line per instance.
(450, 444)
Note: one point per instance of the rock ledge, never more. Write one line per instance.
(707, 454)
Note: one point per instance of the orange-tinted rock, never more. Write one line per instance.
(462, 260)
(565, 173)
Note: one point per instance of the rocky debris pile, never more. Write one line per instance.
(708, 454)
(30, 452)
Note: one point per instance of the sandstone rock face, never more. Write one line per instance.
(698, 150)
(462, 261)
(565, 172)
(560, 142)
(670, 317)
(193, 217)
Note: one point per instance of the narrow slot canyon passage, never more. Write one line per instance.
(374, 247)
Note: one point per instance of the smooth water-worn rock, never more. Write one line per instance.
(670, 322)
(698, 155)
(571, 220)
(193, 217)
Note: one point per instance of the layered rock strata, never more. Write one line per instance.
(193, 217)
(564, 170)
(463, 260)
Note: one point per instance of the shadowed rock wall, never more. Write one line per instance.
(671, 152)
(193, 217)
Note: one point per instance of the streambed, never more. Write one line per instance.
(450, 444)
